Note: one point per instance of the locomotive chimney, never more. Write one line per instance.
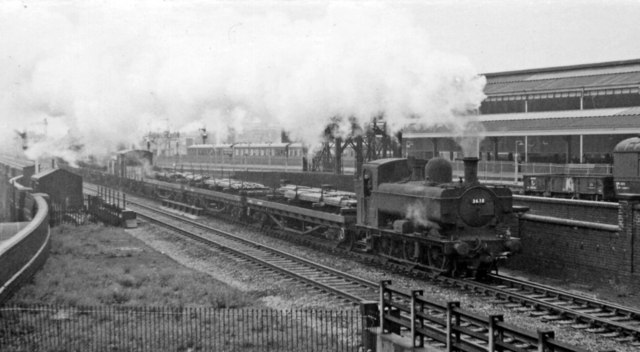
(470, 170)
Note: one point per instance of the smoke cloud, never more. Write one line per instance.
(417, 214)
(103, 75)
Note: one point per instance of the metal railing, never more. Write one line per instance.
(113, 328)
(456, 329)
(108, 206)
(509, 171)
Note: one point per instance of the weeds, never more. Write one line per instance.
(98, 265)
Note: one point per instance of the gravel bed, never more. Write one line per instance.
(274, 290)
(281, 293)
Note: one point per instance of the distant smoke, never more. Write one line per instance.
(105, 75)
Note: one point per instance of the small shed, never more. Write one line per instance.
(63, 187)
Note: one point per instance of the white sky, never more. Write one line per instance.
(496, 35)
(504, 35)
(501, 35)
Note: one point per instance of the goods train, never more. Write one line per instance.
(588, 187)
(453, 227)
(625, 178)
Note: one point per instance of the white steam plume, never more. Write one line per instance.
(107, 74)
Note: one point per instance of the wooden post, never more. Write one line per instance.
(543, 336)
(370, 319)
(414, 319)
(450, 315)
(383, 285)
(494, 332)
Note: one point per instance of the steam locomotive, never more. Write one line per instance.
(458, 228)
(454, 227)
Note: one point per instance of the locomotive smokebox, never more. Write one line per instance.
(470, 170)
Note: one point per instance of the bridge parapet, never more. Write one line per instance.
(22, 254)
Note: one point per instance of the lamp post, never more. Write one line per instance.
(203, 134)
(515, 160)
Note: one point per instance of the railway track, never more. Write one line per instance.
(581, 312)
(547, 303)
(350, 288)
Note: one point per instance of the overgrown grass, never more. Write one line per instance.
(96, 265)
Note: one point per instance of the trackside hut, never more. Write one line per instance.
(63, 187)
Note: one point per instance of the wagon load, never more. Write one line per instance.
(227, 184)
(324, 196)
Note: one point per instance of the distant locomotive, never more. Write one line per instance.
(454, 227)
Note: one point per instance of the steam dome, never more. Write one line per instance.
(438, 170)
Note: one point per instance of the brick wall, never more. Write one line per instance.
(581, 251)
(573, 253)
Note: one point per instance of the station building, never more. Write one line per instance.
(569, 114)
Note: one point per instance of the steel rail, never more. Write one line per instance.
(567, 305)
(276, 264)
(279, 259)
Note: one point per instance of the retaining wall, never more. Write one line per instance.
(581, 241)
(22, 254)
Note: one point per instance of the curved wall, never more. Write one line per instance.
(25, 252)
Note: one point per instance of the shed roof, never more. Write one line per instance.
(571, 122)
(616, 74)
(48, 172)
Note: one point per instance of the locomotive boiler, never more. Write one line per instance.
(456, 227)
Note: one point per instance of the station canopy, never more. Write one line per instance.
(568, 122)
(609, 78)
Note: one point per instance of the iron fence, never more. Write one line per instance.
(60, 214)
(112, 328)
(510, 171)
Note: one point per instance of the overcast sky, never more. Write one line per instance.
(501, 35)
(496, 35)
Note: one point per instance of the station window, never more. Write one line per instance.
(611, 101)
